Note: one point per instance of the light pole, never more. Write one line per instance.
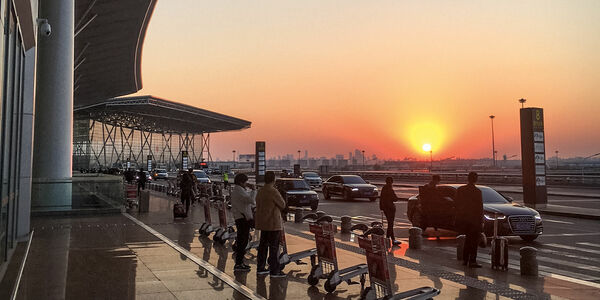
(522, 101)
(428, 148)
(363, 155)
(233, 158)
(493, 145)
(556, 159)
(299, 156)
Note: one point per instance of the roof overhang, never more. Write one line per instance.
(152, 114)
(109, 35)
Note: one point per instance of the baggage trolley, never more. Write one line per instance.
(327, 266)
(206, 228)
(225, 232)
(374, 243)
(131, 195)
(286, 258)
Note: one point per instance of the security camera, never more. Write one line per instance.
(45, 28)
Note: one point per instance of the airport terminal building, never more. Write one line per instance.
(66, 67)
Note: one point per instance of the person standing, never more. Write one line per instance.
(194, 185)
(269, 205)
(469, 207)
(225, 180)
(186, 190)
(387, 206)
(141, 180)
(242, 202)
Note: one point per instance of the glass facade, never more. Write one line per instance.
(11, 123)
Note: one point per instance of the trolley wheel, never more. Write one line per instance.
(330, 288)
(313, 280)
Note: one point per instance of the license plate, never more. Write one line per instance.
(304, 201)
(523, 226)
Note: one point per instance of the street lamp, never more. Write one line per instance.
(363, 155)
(522, 101)
(427, 148)
(556, 159)
(233, 158)
(299, 156)
(493, 146)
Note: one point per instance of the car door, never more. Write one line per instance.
(337, 185)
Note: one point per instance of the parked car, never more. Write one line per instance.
(349, 187)
(201, 176)
(513, 219)
(161, 174)
(286, 173)
(297, 192)
(313, 179)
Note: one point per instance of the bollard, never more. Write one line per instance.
(415, 239)
(320, 213)
(483, 240)
(460, 246)
(529, 264)
(298, 215)
(346, 224)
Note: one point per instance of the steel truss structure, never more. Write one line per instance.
(129, 130)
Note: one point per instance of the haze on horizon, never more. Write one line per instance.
(387, 76)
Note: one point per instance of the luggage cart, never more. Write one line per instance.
(374, 243)
(286, 258)
(327, 266)
(131, 195)
(206, 228)
(225, 232)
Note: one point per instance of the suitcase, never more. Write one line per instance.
(499, 249)
(178, 211)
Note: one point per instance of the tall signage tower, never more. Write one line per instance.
(261, 163)
(533, 157)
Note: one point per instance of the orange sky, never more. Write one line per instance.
(385, 76)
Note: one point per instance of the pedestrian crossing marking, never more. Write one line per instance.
(573, 248)
(589, 244)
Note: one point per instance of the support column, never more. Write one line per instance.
(52, 154)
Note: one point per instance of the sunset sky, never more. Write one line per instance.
(384, 76)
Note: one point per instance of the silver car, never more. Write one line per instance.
(313, 179)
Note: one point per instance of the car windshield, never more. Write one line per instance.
(200, 174)
(490, 196)
(161, 171)
(296, 185)
(311, 175)
(353, 179)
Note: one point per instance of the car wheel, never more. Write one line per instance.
(417, 220)
(314, 206)
(347, 196)
(326, 194)
(373, 199)
(529, 238)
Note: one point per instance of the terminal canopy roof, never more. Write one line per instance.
(151, 114)
(109, 35)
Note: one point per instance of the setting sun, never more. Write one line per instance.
(426, 147)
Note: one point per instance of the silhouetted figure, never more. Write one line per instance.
(386, 204)
(430, 197)
(129, 176)
(469, 214)
(269, 205)
(186, 190)
(194, 184)
(141, 180)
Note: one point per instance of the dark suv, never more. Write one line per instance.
(297, 192)
(349, 187)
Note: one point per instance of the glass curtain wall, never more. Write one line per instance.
(13, 56)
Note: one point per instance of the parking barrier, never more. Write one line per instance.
(415, 239)
(298, 215)
(460, 246)
(346, 224)
(529, 264)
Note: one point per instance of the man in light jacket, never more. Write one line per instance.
(269, 205)
(242, 202)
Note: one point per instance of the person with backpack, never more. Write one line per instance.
(242, 202)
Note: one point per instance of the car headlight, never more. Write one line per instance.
(538, 217)
(354, 189)
(375, 190)
(491, 217)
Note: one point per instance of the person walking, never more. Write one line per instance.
(225, 179)
(186, 190)
(387, 206)
(469, 207)
(141, 180)
(194, 185)
(269, 205)
(242, 202)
